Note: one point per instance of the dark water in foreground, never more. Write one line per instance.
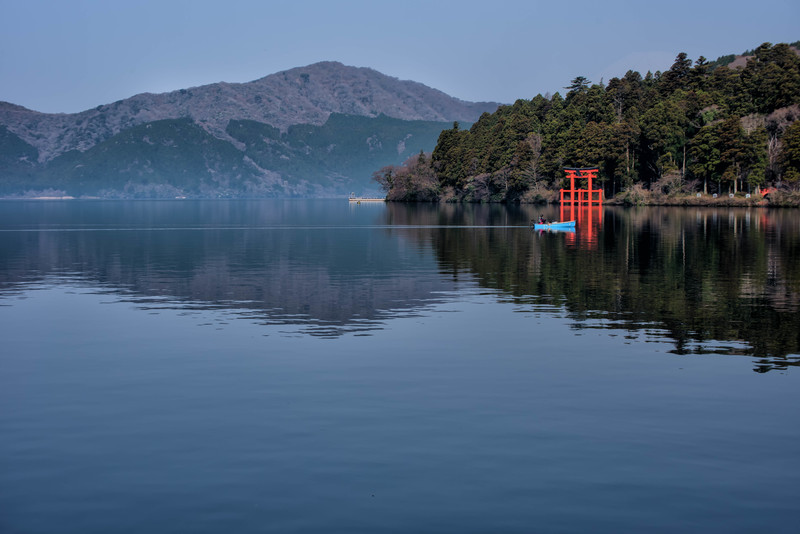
(314, 366)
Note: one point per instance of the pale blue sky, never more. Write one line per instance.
(68, 56)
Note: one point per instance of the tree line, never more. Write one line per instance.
(699, 127)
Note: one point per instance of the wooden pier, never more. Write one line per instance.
(359, 200)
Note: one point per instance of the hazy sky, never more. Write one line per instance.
(71, 55)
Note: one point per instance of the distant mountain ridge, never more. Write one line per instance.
(303, 95)
(317, 130)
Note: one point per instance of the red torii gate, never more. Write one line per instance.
(581, 196)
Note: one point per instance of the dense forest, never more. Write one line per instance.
(709, 127)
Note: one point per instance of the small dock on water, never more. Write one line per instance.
(359, 200)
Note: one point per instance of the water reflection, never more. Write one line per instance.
(698, 276)
(323, 285)
(590, 221)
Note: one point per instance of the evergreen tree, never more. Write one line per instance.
(579, 83)
(790, 153)
(678, 76)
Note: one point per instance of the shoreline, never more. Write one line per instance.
(774, 200)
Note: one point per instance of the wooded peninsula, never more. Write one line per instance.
(701, 132)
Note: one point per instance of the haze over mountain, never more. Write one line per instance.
(314, 130)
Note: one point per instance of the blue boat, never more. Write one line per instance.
(568, 226)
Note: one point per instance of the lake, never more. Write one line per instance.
(304, 366)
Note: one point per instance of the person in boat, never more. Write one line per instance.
(542, 220)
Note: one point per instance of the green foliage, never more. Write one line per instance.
(696, 123)
(790, 159)
(772, 77)
(705, 154)
(580, 83)
(678, 76)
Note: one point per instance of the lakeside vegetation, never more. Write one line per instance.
(700, 127)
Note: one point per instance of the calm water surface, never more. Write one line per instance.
(314, 366)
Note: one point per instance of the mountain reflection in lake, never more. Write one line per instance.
(317, 366)
(703, 276)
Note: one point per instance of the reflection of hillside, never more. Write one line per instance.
(701, 274)
(698, 274)
(340, 279)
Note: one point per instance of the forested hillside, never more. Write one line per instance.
(177, 157)
(699, 126)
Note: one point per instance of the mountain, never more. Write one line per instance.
(314, 130)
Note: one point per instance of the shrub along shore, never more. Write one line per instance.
(648, 198)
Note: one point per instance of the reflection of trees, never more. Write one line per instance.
(711, 274)
(700, 274)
